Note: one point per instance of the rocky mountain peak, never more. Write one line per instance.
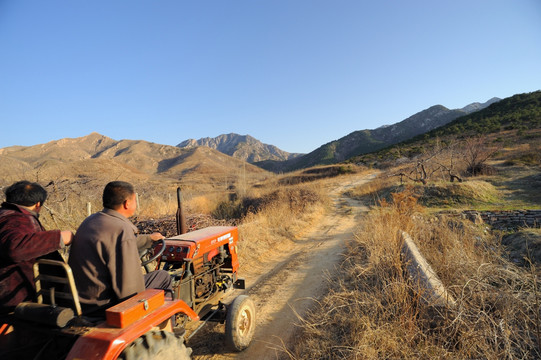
(243, 147)
(468, 109)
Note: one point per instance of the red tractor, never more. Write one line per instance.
(203, 265)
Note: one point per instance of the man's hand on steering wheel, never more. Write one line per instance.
(157, 239)
(155, 236)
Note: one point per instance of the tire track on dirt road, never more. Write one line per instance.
(291, 282)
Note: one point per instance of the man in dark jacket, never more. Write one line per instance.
(104, 255)
(23, 240)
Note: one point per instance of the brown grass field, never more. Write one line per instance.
(371, 310)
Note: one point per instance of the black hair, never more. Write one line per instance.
(25, 193)
(115, 193)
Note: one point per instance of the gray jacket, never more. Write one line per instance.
(104, 259)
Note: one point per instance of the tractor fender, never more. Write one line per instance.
(107, 342)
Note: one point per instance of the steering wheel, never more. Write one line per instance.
(149, 251)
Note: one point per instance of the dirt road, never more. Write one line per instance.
(286, 285)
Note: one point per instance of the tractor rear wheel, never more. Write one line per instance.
(161, 345)
(240, 323)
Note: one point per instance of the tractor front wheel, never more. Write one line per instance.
(240, 323)
(161, 345)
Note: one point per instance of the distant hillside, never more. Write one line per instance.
(242, 147)
(98, 157)
(365, 141)
(520, 112)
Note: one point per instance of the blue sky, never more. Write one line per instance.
(291, 73)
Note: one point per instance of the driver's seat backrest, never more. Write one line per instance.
(55, 284)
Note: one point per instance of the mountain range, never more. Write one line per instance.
(356, 143)
(96, 156)
(365, 141)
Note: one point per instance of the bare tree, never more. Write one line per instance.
(441, 158)
(448, 165)
(422, 171)
(476, 154)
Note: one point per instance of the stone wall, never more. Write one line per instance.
(512, 219)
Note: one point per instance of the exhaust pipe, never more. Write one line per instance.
(181, 221)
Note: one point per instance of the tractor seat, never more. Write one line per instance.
(56, 295)
(55, 285)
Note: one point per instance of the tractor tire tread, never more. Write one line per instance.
(157, 345)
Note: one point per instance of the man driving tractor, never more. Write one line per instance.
(104, 254)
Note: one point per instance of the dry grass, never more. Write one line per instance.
(371, 190)
(524, 246)
(479, 193)
(278, 217)
(373, 312)
(319, 173)
(165, 204)
(467, 194)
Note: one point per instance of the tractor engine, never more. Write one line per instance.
(204, 285)
(202, 263)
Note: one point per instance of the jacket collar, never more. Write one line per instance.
(22, 209)
(116, 214)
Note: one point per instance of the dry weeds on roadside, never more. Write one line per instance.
(279, 217)
(267, 217)
(373, 312)
(373, 191)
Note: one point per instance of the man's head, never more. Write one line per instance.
(120, 196)
(26, 193)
